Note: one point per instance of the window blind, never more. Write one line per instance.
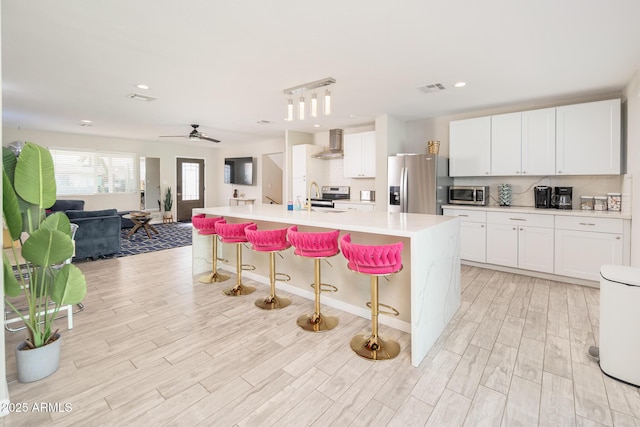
(94, 172)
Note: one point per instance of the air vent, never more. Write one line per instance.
(139, 97)
(435, 87)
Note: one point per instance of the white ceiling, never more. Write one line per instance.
(224, 64)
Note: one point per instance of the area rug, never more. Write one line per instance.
(171, 235)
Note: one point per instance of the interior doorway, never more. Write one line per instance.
(190, 187)
(272, 172)
(149, 183)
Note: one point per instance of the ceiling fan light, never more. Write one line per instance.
(289, 110)
(314, 106)
(327, 102)
(301, 108)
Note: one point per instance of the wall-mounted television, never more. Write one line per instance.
(238, 170)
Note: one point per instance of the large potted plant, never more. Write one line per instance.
(168, 203)
(36, 270)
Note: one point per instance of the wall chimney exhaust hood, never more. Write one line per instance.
(335, 146)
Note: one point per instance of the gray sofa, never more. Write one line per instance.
(98, 232)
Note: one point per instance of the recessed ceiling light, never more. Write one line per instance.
(352, 116)
(142, 86)
(460, 84)
(86, 121)
(316, 126)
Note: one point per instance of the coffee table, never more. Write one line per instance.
(140, 221)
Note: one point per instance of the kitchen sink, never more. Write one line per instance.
(327, 210)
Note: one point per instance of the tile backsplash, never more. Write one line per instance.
(333, 174)
(522, 187)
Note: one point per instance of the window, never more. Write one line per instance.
(190, 181)
(93, 172)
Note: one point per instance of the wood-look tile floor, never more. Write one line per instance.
(154, 348)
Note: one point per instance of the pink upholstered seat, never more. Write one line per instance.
(267, 240)
(205, 225)
(313, 244)
(232, 233)
(380, 259)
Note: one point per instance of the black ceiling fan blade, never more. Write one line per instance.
(209, 138)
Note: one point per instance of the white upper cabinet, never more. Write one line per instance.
(360, 155)
(539, 142)
(470, 147)
(506, 144)
(588, 138)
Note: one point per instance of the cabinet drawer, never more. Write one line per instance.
(581, 223)
(467, 214)
(513, 218)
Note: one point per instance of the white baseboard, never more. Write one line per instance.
(539, 275)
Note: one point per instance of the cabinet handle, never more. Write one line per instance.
(618, 238)
(482, 226)
(559, 171)
(521, 229)
(517, 219)
(524, 172)
(517, 172)
(463, 215)
(587, 223)
(513, 228)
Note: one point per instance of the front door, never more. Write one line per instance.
(190, 180)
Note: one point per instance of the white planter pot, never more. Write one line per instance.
(37, 363)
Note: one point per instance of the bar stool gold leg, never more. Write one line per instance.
(215, 275)
(239, 288)
(272, 302)
(373, 346)
(316, 322)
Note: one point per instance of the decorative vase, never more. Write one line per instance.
(37, 363)
(504, 194)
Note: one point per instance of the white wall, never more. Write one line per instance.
(632, 96)
(223, 191)
(167, 152)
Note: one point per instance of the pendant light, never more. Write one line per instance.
(301, 108)
(289, 110)
(314, 105)
(327, 102)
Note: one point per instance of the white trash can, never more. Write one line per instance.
(620, 322)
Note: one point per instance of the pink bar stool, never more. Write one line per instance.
(375, 261)
(206, 226)
(234, 233)
(271, 241)
(318, 246)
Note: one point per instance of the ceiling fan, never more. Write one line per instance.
(193, 135)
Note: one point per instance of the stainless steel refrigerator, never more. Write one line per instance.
(418, 183)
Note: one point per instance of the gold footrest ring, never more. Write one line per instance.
(248, 267)
(316, 322)
(282, 277)
(240, 290)
(374, 348)
(214, 278)
(325, 287)
(392, 311)
(272, 302)
(223, 260)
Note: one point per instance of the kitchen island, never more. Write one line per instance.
(426, 292)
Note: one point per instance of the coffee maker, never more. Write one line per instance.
(542, 197)
(562, 197)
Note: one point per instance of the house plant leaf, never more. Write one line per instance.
(10, 208)
(57, 221)
(69, 287)
(46, 247)
(11, 286)
(34, 178)
(9, 161)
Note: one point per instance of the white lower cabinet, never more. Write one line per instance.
(473, 234)
(584, 245)
(520, 241)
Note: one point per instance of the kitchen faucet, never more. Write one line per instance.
(317, 194)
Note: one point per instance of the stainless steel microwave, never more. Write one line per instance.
(469, 195)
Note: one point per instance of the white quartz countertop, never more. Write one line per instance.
(386, 223)
(531, 210)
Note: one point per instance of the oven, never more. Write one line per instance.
(329, 194)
